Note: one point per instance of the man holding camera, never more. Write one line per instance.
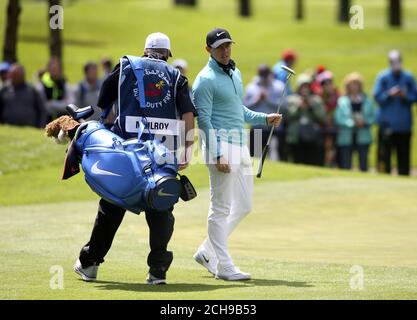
(395, 91)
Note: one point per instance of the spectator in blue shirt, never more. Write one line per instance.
(263, 94)
(288, 59)
(395, 91)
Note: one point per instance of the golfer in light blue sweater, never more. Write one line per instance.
(218, 95)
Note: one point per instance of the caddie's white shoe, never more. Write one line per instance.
(87, 274)
(207, 261)
(154, 280)
(231, 273)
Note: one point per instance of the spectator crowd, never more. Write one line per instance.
(325, 126)
(322, 125)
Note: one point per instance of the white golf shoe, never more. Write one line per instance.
(231, 273)
(87, 274)
(207, 261)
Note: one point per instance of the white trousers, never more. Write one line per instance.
(230, 200)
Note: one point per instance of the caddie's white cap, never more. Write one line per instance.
(158, 40)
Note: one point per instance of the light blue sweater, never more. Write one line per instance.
(345, 122)
(221, 113)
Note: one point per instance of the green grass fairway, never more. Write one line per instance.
(300, 242)
(310, 228)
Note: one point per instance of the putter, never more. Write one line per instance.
(290, 73)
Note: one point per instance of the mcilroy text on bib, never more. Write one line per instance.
(156, 125)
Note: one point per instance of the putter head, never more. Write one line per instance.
(289, 70)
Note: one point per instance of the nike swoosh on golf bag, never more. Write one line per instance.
(134, 174)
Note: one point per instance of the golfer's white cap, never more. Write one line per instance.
(158, 40)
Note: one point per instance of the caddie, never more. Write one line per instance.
(169, 114)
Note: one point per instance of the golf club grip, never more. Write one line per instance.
(261, 164)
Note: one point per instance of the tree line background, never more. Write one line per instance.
(244, 9)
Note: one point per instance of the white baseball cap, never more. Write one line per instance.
(394, 57)
(158, 40)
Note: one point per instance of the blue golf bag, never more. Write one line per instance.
(134, 174)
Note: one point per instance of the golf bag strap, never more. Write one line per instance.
(136, 63)
(137, 66)
(105, 113)
(149, 174)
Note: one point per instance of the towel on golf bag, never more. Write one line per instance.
(134, 174)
